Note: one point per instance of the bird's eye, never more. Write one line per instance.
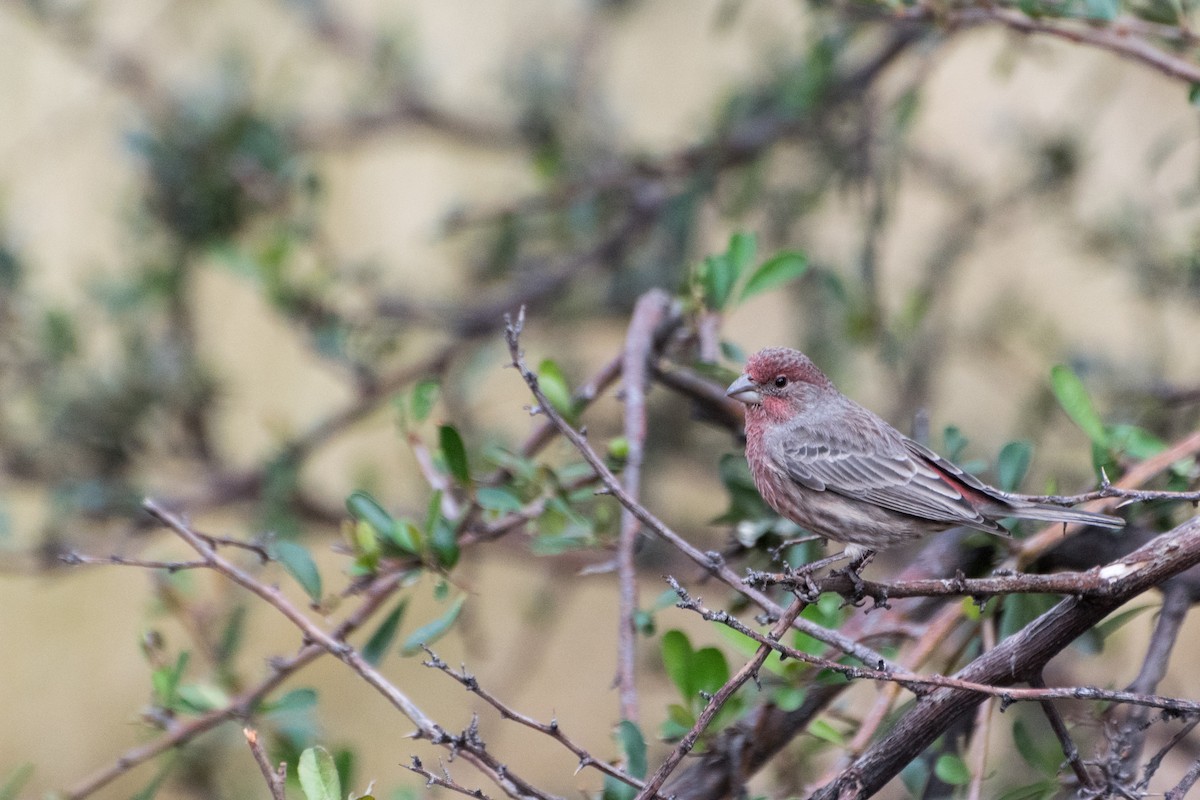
(781, 381)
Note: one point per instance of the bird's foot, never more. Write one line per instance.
(859, 558)
(802, 578)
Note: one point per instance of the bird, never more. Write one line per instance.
(840, 471)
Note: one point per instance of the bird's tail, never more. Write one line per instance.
(1047, 513)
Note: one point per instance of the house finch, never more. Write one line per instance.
(838, 470)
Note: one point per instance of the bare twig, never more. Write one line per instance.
(921, 684)
(1138, 475)
(242, 706)
(1070, 751)
(1105, 37)
(1094, 582)
(1185, 785)
(75, 559)
(983, 722)
(710, 562)
(649, 312)
(276, 777)
(467, 745)
(444, 780)
(551, 729)
(1018, 657)
(717, 701)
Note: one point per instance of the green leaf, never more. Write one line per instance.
(1134, 442)
(318, 775)
(455, 453)
(377, 646)
(710, 671)
(633, 745)
(295, 700)
(497, 498)
(1021, 609)
(424, 395)
(406, 536)
(716, 274)
(915, 777)
(1013, 463)
(955, 443)
(826, 732)
(151, 789)
(679, 721)
(1105, 10)
(444, 543)
(1041, 753)
(202, 697)
(742, 247)
(1115, 622)
(1074, 399)
(789, 698)
(165, 680)
(952, 770)
(775, 272)
(366, 508)
(300, 565)
(430, 632)
(231, 635)
(11, 787)
(677, 659)
(554, 386)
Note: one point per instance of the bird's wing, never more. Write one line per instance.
(878, 465)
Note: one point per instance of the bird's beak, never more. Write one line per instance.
(744, 390)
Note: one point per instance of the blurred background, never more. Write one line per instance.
(231, 233)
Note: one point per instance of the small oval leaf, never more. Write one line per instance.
(318, 775)
(377, 646)
(774, 272)
(300, 565)
(455, 453)
(430, 632)
(1074, 399)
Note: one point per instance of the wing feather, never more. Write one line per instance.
(878, 465)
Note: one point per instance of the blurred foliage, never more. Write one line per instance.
(100, 400)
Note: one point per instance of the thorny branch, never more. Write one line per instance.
(551, 729)
(467, 745)
(710, 562)
(648, 314)
(921, 684)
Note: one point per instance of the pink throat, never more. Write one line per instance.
(775, 409)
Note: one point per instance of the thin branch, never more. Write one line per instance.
(983, 721)
(933, 637)
(648, 314)
(276, 777)
(921, 684)
(551, 729)
(1156, 760)
(444, 780)
(710, 562)
(1096, 582)
(1185, 785)
(1138, 475)
(717, 701)
(77, 559)
(468, 745)
(1130, 738)
(1019, 656)
(1105, 37)
(1070, 751)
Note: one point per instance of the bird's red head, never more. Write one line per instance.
(777, 380)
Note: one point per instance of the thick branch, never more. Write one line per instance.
(1017, 658)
